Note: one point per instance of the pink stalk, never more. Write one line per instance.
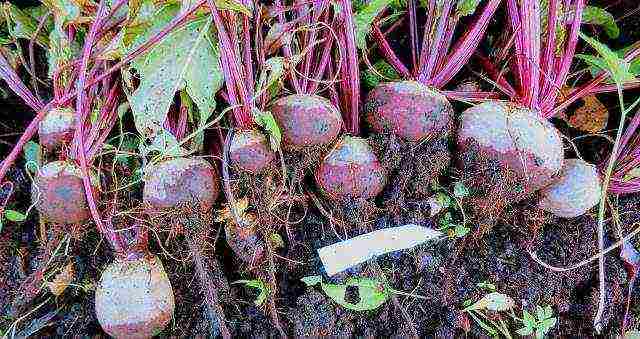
(569, 53)
(82, 108)
(548, 56)
(413, 34)
(463, 50)
(287, 50)
(12, 79)
(388, 53)
(429, 60)
(352, 88)
(231, 68)
(592, 85)
(322, 64)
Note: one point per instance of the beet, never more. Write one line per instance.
(60, 193)
(56, 128)
(250, 151)
(134, 298)
(524, 149)
(351, 170)
(306, 120)
(409, 110)
(576, 191)
(181, 182)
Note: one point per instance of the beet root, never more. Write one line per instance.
(134, 298)
(56, 128)
(576, 191)
(59, 195)
(250, 151)
(181, 182)
(409, 110)
(351, 170)
(306, 120)
(513, 142)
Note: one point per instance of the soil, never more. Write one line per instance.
(440, 276)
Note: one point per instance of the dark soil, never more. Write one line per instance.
(447, 273)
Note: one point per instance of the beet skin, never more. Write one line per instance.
(306, 121)
(577, 190)
(250, 151)
(409, 110)
(351, 170)
(181, 182)
(134, 298)
(56, 128)
(59, 194)
(525, 151)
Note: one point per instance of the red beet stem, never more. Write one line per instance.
(351, 87)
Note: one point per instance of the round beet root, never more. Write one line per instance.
(525, 150)
(59, 194)
(134, 298)
(306, 120)
(575, 192)
(181, 182)
(351, 170)
(250, 151)
(56, 128)
(409, 110)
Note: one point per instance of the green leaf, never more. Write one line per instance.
(14, 216)
(64, 11)
(185, 59)
(258, 284)
(21, 25)
(268, 122)
(467, 7)
(547, 324)
(597, 16)
(460, 190)
(633, 334)
(528, 319)
(364, 18)
(617, 67)
(276, 240)
(372, 293)
(461, 231)
(493, 302)
(271, 76)
(525, 331)
(61, 50)
(233, 5)
(312, 280)
(32, 153)
(548, 312)
(486, 286)
(382, 72)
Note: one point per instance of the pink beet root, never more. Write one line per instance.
(181, 182)
(134, 298)
(306, 120)
(59, 194)
(409, 110)
(516, 141)
(577, 190)
(250, 151)
(351, 170)
(56, 128)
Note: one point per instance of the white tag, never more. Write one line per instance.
(348, 253)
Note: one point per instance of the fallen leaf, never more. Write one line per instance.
(62, 280)
(591, 117)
